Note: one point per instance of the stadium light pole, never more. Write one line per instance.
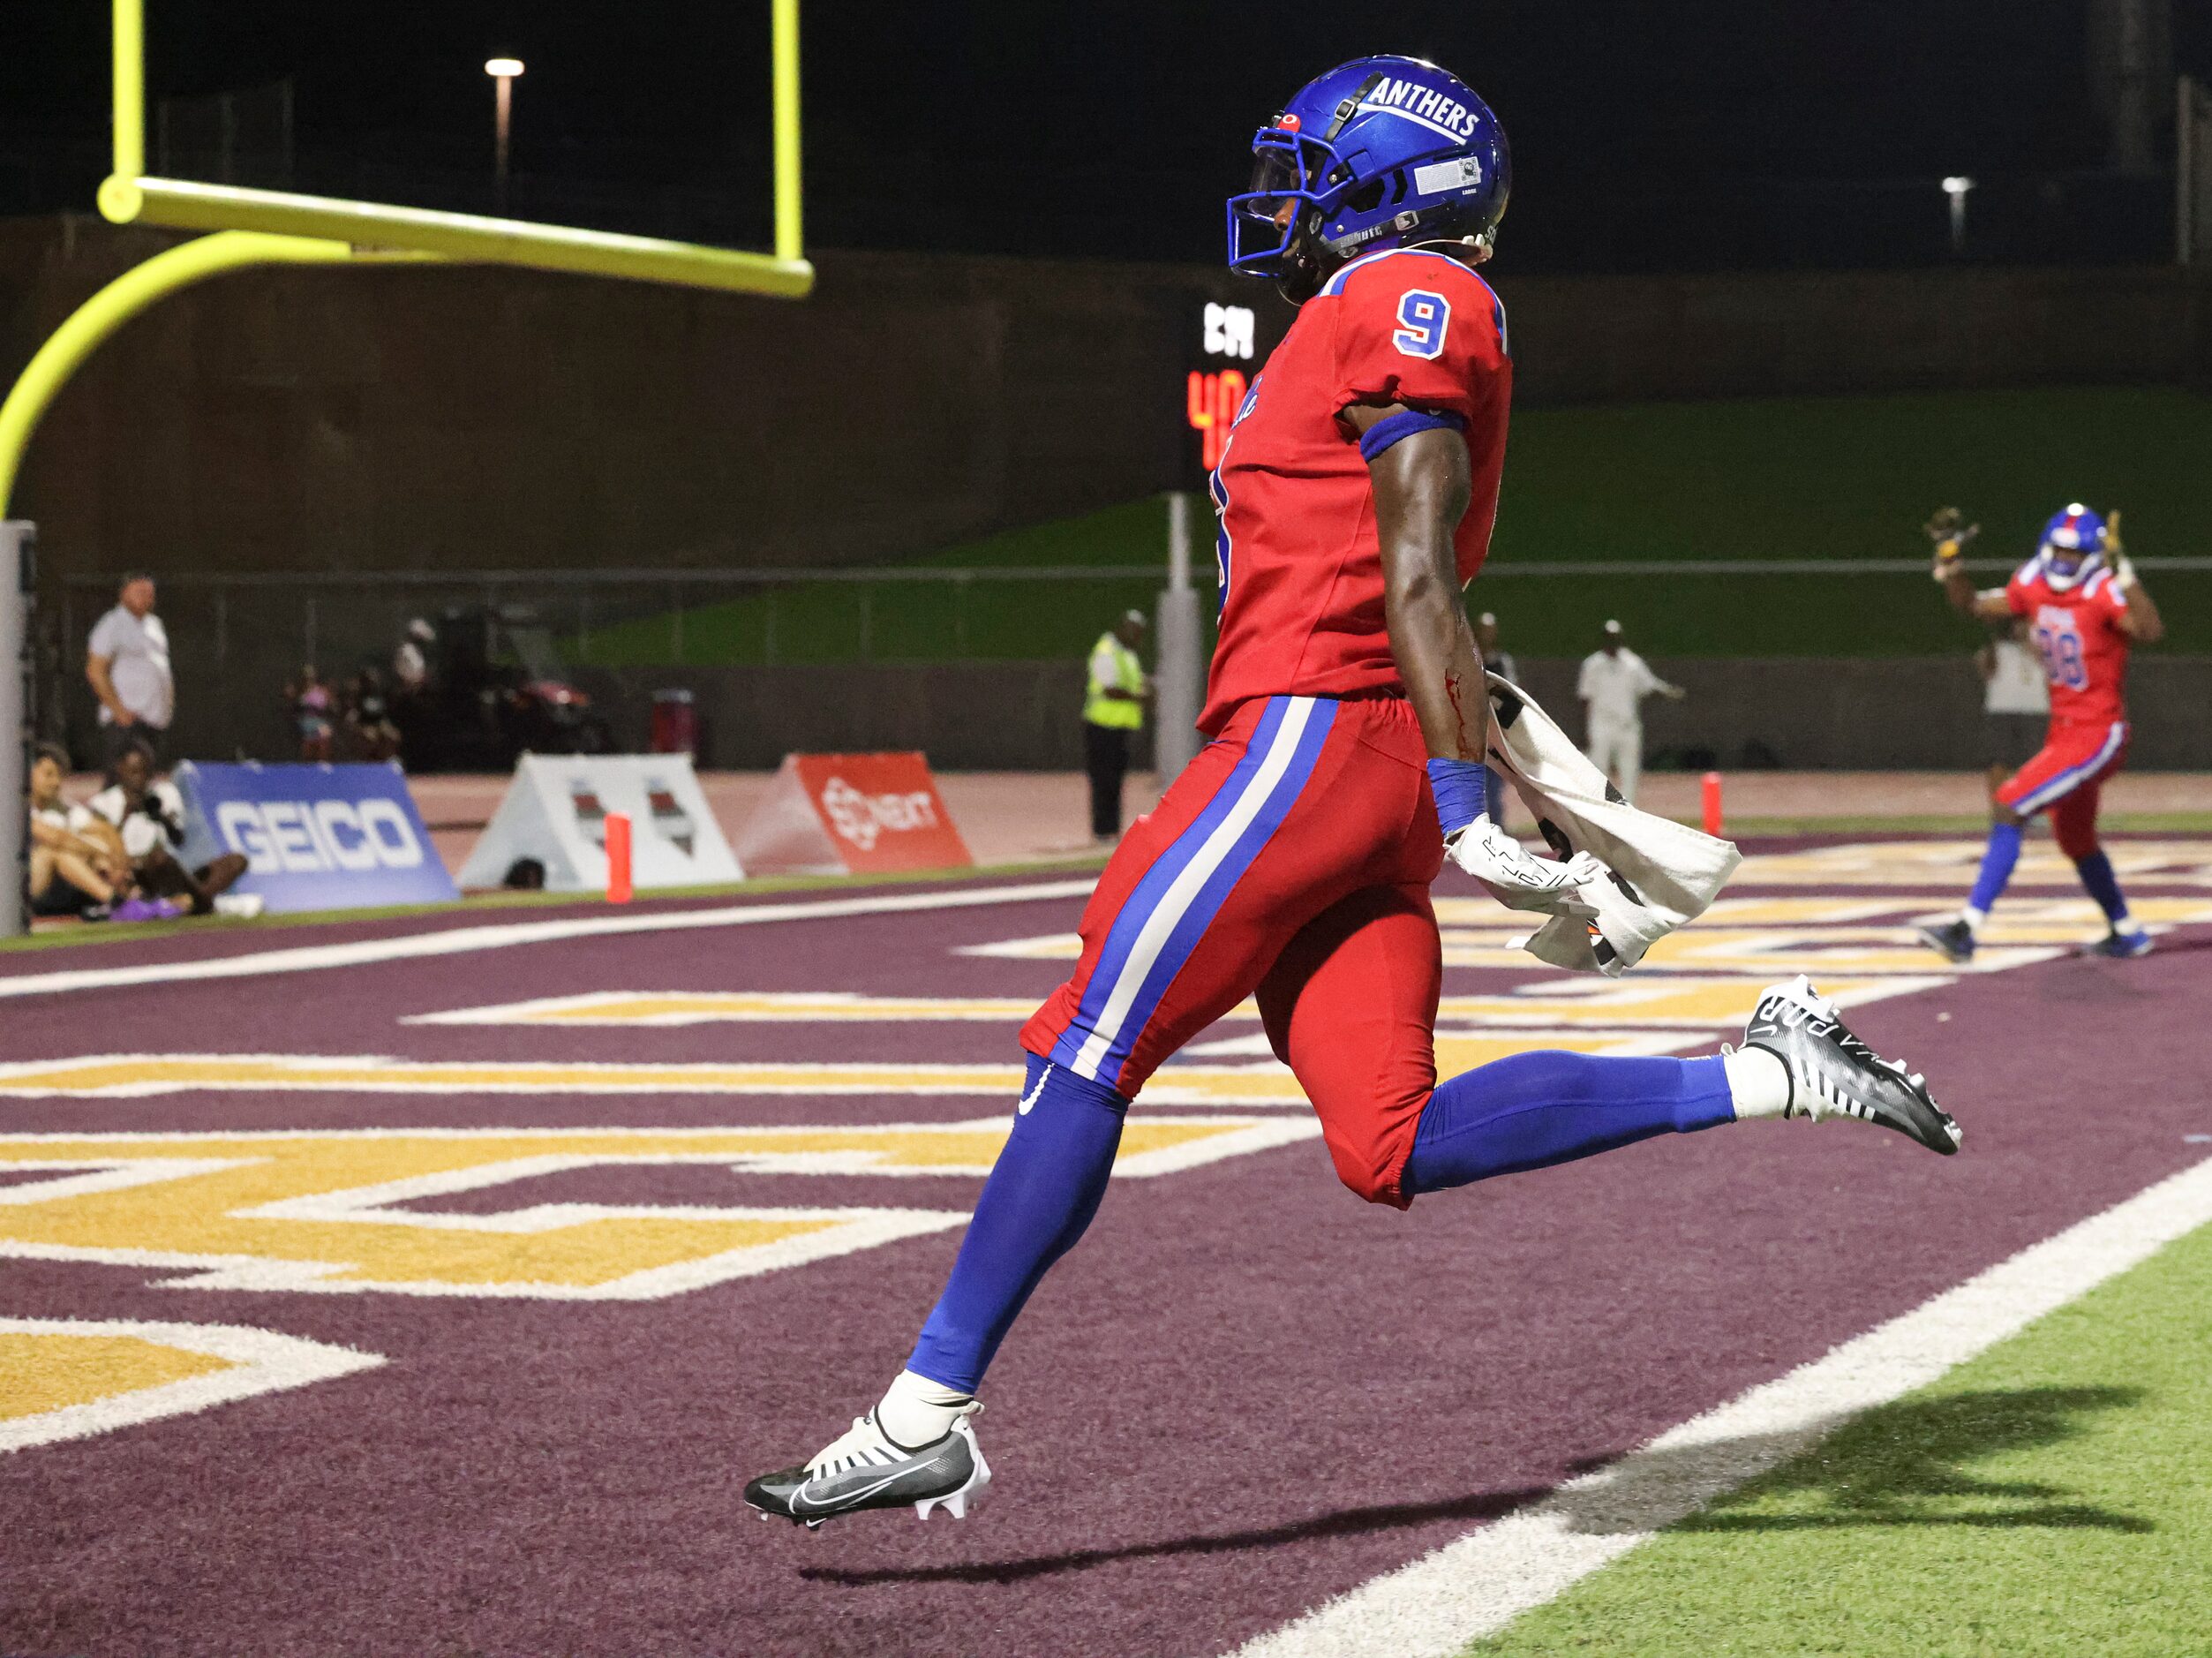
(1181, 679)
(503, 72)
(1956, 187)
(18, 539)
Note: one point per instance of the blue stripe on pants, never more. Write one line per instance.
(1167, 916)
(2073, 776)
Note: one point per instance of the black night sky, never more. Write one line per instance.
(1640, 129)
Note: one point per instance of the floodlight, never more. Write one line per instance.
(1955, 187)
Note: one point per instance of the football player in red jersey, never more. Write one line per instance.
(2085, 607)
(1291, 860)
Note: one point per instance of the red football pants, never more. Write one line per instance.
(1290, 861)
(2067, 777)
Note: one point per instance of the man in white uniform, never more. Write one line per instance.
(2015, 700)
(1614, 680)
(1495, 657)
(127, 663)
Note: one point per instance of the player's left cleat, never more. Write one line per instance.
(1953, 939)
(864, 1469)
(2123, 946)
(1833, 1073)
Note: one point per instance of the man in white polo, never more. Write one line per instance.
(127, 663)
(1614, 680)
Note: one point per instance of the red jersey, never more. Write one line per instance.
(2078, 636)
(1301, 565)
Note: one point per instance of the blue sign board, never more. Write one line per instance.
(315, 837)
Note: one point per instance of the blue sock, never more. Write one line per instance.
(1042, 1194)
(1533, 1110)
(1493, 795)
(2104, 886)
(1997, 866)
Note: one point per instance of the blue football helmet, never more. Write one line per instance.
(2073, 547)
(1380, 153)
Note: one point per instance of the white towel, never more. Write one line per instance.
(1658, 874)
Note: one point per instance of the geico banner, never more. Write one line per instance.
(315, 837)
(863, 813)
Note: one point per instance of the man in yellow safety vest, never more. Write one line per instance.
(1113, 712)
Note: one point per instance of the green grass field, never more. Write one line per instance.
(1841, 478)
(2053, 1496)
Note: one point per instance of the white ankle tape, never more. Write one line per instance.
(917, 1412)
(1759, 1083)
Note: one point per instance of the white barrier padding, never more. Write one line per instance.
(555, 811)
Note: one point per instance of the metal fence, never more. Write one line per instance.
(645, 617)
(239, 638)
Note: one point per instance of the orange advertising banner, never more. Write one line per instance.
(867, 813)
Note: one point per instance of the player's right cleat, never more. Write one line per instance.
(1833, 1073)
(1953, 939)
(2123, 946)
(864, 1469)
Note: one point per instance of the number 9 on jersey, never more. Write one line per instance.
(1422, 318)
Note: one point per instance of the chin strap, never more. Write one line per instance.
(1349, 105)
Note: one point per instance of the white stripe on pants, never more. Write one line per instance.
(1616, 747)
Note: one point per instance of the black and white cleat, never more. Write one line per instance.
(2123, 946)
(1833, 1073)
(1954, 939)
(863, 1469)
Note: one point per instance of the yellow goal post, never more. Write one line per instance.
(129, 196)
(269, 227)
(265, 226)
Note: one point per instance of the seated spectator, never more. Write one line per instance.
(370, 729)
(312, 709)
(74, 870)
(149, 814)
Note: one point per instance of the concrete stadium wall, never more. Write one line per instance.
(1798, 713)
(458, 418)
(978, 717)
(1907, 714)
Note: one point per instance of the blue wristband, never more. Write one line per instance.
(1462, 792)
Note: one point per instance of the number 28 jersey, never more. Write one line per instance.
(2078, 634)
(1301, 564)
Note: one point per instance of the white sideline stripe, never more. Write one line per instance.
(1474, 1587)
(463, 940)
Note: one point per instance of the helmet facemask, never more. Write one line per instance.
(2066, 568)
(1274, 227)
(2072, 549)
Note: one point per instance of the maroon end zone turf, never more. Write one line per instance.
(1245, 1392)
